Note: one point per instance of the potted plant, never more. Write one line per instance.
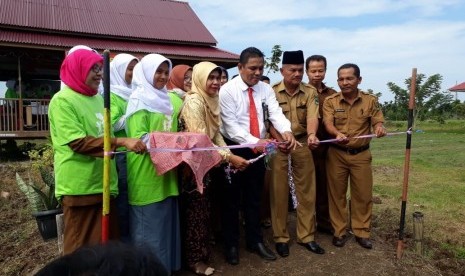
(40, 191)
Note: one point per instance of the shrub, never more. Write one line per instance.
(40, 186)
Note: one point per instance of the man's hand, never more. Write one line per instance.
(290, 139)
(380, 131)
(238, 162)
(263, 142)
(132, 144)
(342, 138)
(283, 148)
(312, 141)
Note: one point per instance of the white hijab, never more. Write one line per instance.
(118, 67)
(144, 94)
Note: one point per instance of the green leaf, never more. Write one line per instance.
(35, 200)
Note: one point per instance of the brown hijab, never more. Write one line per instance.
(176, 79)
(200, 75)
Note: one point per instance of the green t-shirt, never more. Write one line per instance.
(145, 186)
(73, 116)
(117, 109)
(11, 94)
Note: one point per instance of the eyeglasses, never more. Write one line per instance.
(97, 69)
(187, 79)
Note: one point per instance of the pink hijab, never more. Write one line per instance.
(76, 67)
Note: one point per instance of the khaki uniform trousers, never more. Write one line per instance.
(82, 218)
(304, 180)
(342, 166)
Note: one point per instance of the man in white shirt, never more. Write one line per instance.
(245, 103)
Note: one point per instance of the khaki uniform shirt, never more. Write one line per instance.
(298, 108)
(353, 120)
(322, 134)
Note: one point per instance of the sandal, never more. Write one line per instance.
(200, 268)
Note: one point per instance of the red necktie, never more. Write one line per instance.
(254, 129)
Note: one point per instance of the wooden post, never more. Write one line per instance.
(20, 105)
(60, 233)
(418, 232)
(28, 116)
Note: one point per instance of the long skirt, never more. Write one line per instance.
(156, 226)
(195, 217)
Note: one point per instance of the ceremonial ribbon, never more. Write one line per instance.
(207, 148)
(409, 131)
(290, 173)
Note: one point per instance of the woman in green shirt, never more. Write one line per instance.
(76, 128)
(153, 211)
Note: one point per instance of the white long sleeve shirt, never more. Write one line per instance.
(234, 103)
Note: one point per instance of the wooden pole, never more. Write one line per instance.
(411, 107)
(106, 146)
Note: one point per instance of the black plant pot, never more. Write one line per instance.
(46, 222)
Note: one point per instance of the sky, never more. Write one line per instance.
(385, 38)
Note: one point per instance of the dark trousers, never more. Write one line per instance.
(246, 185)
(122, 200)
(322, 206)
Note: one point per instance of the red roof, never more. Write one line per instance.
(134, 26)
(54, 41)
(155, 20)
(458, 88)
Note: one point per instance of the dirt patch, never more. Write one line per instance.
(386, 170)
(23, 251)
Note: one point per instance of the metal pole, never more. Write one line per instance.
(106, 147)
(411, 106)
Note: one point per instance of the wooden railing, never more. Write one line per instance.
(26, 118)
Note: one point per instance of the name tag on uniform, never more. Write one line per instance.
(340, 110)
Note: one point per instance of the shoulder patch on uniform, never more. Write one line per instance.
(308, 85)
(369, 94)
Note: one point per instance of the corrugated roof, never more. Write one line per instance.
(458, 88)
(156, 20)
(58, 41)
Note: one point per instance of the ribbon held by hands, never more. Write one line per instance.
(409, 131)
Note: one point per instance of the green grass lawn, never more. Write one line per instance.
(436, 181)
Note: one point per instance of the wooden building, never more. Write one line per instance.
(35, 35)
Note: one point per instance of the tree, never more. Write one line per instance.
(377, 94)
(272, 63)
(429, 100)
(458, 109)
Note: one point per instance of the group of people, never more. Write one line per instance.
(166, 212)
